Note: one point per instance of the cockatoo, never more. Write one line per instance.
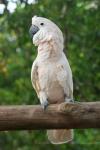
(51, 75)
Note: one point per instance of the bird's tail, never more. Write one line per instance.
(60, 136)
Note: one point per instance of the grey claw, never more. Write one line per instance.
(72, 100)
(44, 105)
(69, 100)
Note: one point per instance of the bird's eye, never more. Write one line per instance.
(41, 24)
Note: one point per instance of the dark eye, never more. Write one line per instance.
(41, 24)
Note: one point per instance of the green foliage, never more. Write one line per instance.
(80, 25)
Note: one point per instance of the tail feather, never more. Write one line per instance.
(60, 136)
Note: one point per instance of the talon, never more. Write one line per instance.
(43, 100)
(69, 100)
(44, 105)
(72, 100)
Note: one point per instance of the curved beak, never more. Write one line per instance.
(33, 30)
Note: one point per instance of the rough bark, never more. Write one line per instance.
(58, 116)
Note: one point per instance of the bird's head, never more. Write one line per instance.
(43, 30)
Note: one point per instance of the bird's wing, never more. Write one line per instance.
(34, 78)
(64, 77)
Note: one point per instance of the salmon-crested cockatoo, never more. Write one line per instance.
(51, 75)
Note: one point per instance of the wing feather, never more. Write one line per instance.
(35, 78)
(64, 77)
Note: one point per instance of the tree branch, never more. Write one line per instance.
(59, 116)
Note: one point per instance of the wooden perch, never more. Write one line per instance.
(59, 116)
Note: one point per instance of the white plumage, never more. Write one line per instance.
(51, 75)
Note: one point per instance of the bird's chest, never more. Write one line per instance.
(46, 73)
(49, 82)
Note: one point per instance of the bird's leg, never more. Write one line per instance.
(43, 99)
(69, 100)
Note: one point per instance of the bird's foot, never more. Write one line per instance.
(45, 104)
(43, 100)
(69, 100)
